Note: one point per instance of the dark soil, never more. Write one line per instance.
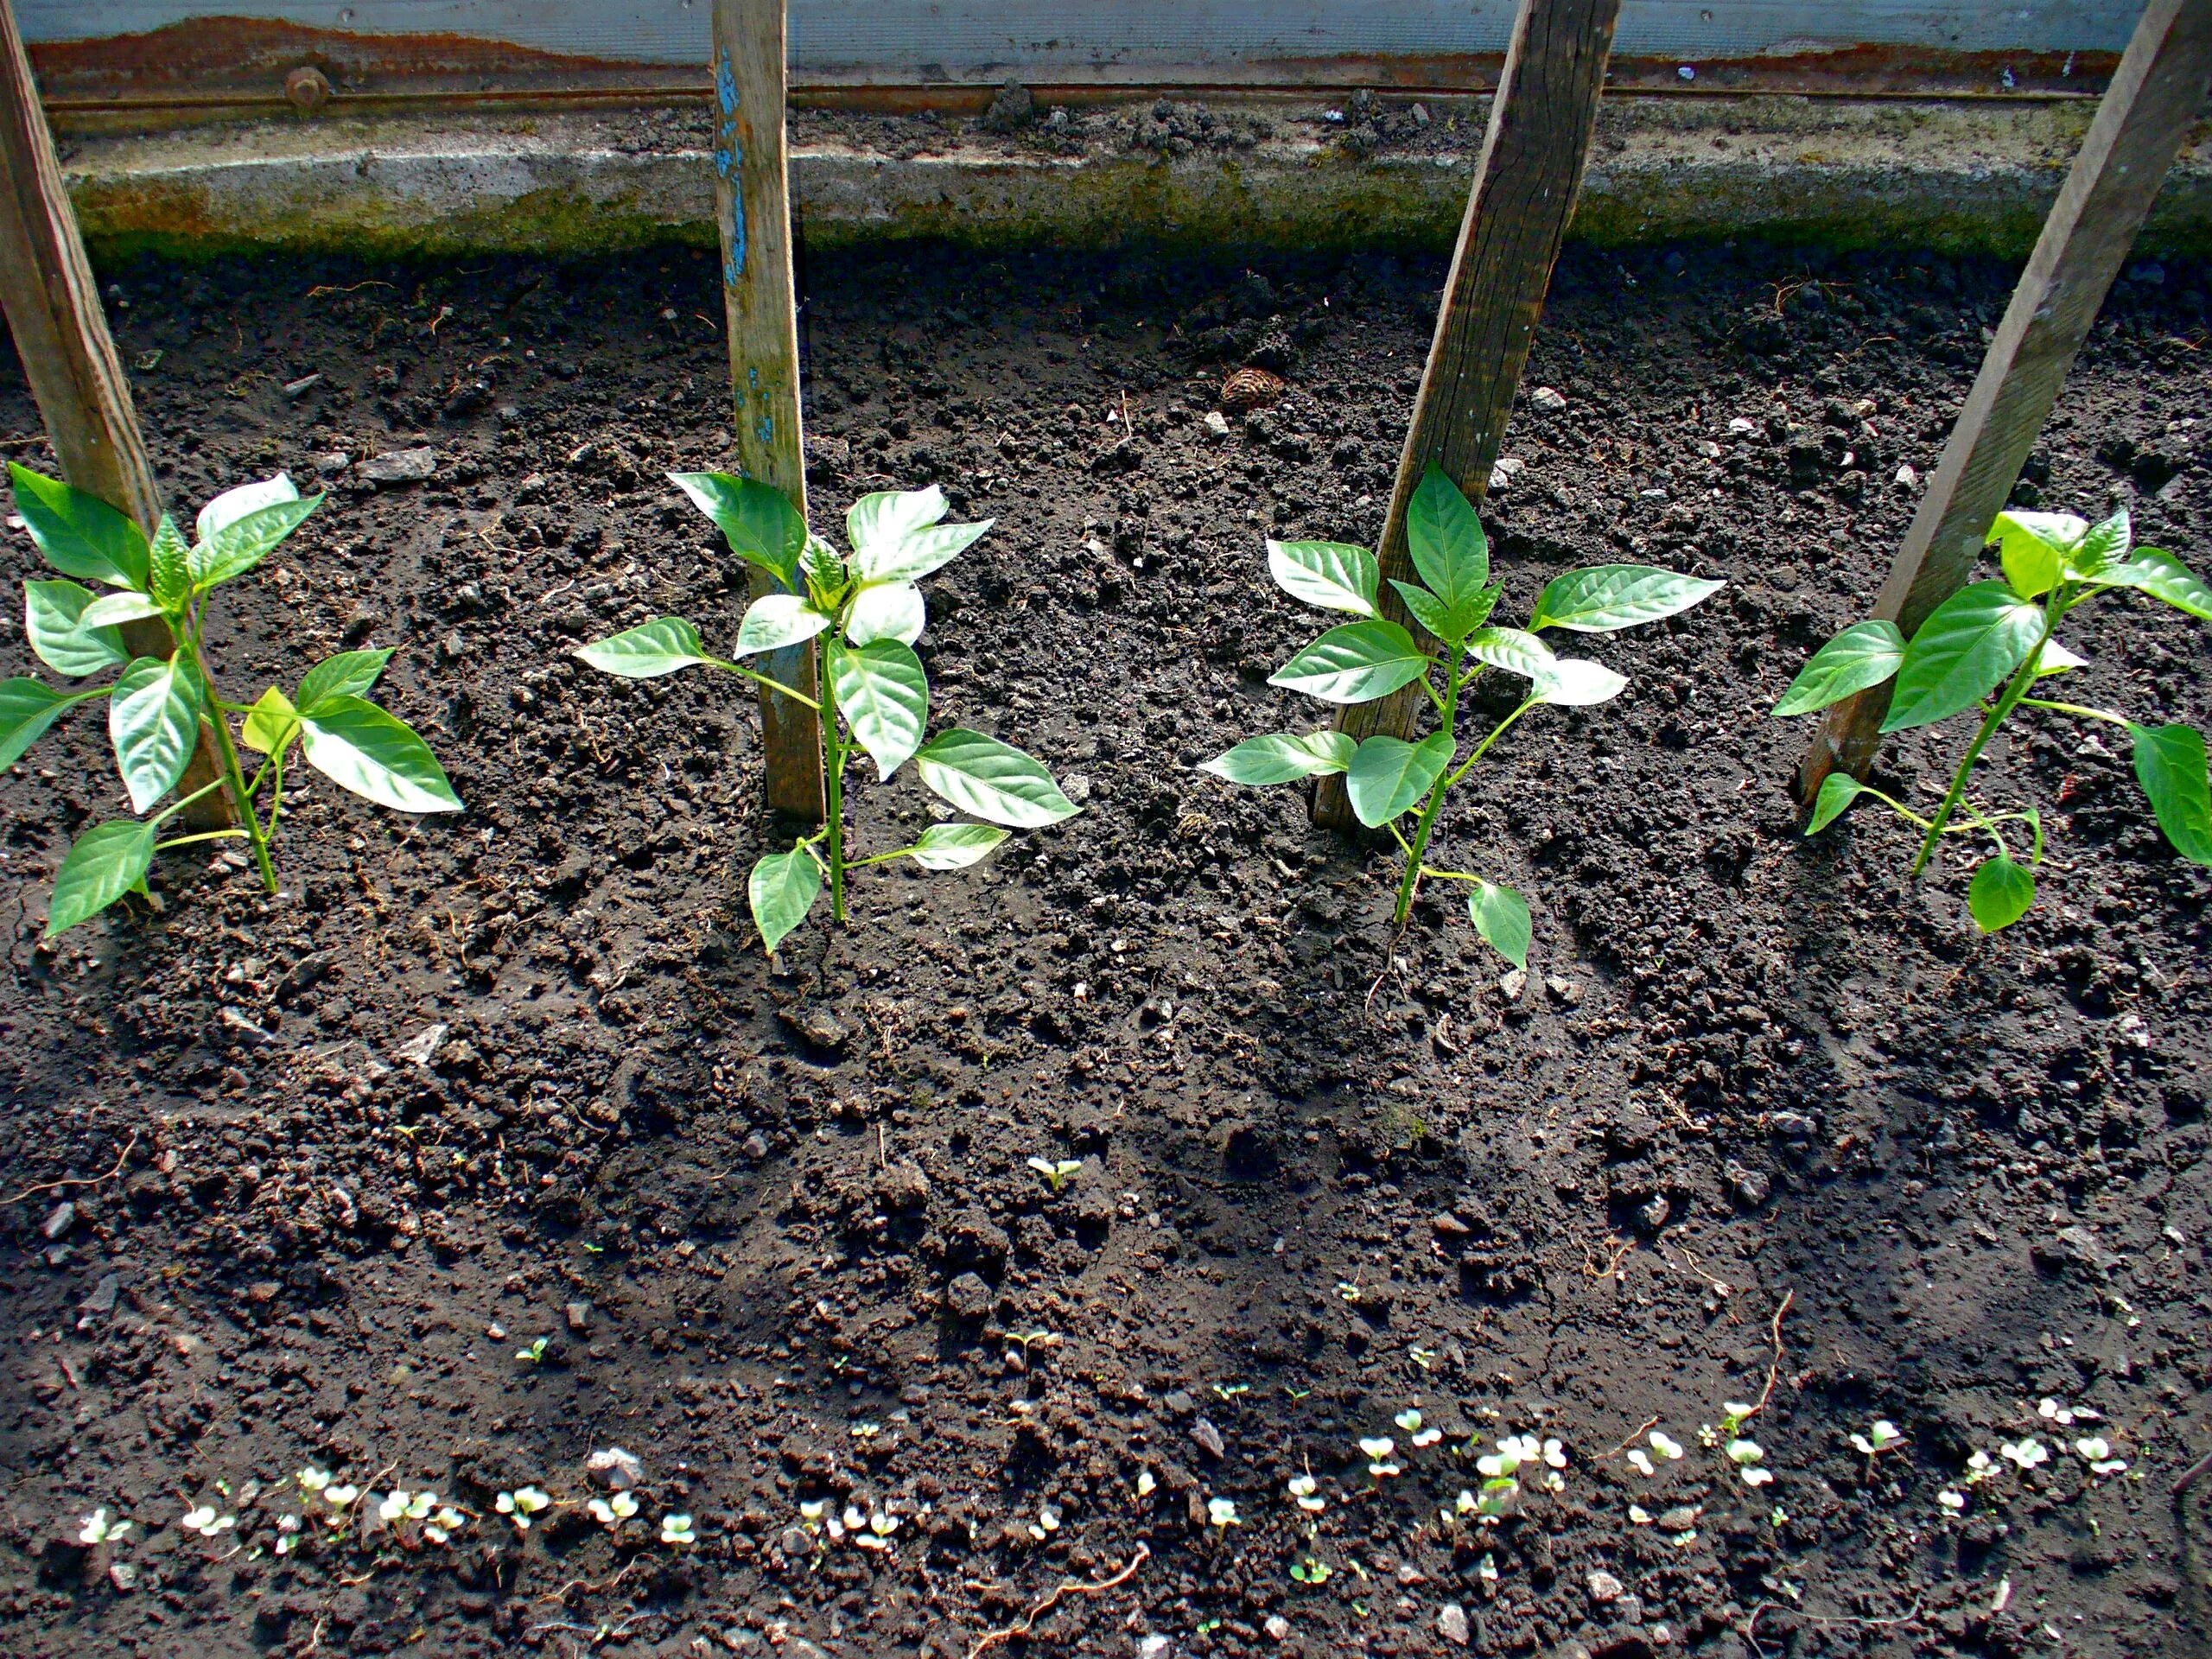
(524, 1071)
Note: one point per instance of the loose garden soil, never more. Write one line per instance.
(291, 1181)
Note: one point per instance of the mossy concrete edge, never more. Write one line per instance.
(1959, 178)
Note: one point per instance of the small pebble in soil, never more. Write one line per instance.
(63, 1218)
(579, 1316)
(1750, 1187)
(1154, 1647)
(1209, 1438)
(1216, 424)
(400, 466)
(1604, 1587)
(1452, 1624)
(615, 1469)
(1277, 1627)
(1511, 985)
(1545, 397)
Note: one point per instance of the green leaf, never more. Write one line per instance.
(992, 779)
(1357, 662)
(925, 549)
(883, 521)
(377, 755)
(1575, 683)
(118, 609)
(2031, 547)
(226, 509)
(2154, 571)
(645, 652)
(823, 567)
(1999, 893)
(2170, 765)
(153, 720)
(886, 610)
(2103, 542)
(1281, 757)
(1962, 652)
(1445, 539)
(774, 621)
(242, 542)
(2056, 659)
(1449, 623)
(782, 889)
(1838, 790)
(1864, 654)
(1500, 916)
(107, 861)
(884, 697)
(1608, 596)
(168, 577)
(1329, 575)
(26, 708)
(1388, 776)
(80, 534)
(348, 674)
(758, 520)
(272, 723)
(955, 846)
(1512, 650)
(53, 616)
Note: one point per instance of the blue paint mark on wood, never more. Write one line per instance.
(729, 162)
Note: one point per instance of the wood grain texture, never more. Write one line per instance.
(54, 313)
(1518, 212)
(2139, 128)
(753, 207)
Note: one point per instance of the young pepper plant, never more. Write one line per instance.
(158, 705)
(1387, 778)
(860, 617)
(1987, 647)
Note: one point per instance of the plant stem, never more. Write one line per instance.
(1449, 709)
(833, 786)
(2073, 708)
(234, 775)
(2015, 689)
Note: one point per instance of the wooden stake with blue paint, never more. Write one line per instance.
(752, 207)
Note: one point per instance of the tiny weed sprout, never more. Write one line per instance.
(535, 1354)
(1221, 1514)
(2024, 1454)
(157, 705)
(1311, 1571)
(860, 616)
(99, 1529)
(520, 1505)
(1986, 648)
(612, 1512)
(676, 1531)
(1057, 1171)
(1304, 1491)
(207, 1521)
(1388, 779)
(1876, 1439)
(2095, 1451)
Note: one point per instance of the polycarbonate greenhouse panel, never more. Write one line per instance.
(969, 41)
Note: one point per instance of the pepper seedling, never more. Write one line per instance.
(1387, 778)
(157, 705)
(860, 617)
(1986, 648)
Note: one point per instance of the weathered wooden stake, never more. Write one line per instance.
(60, 334)
(1540, 120)
(2155, 95)
(752, 205)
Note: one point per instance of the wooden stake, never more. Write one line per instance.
(53, 312)
(1540, 120)
(2155, 95)
(752, 207)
